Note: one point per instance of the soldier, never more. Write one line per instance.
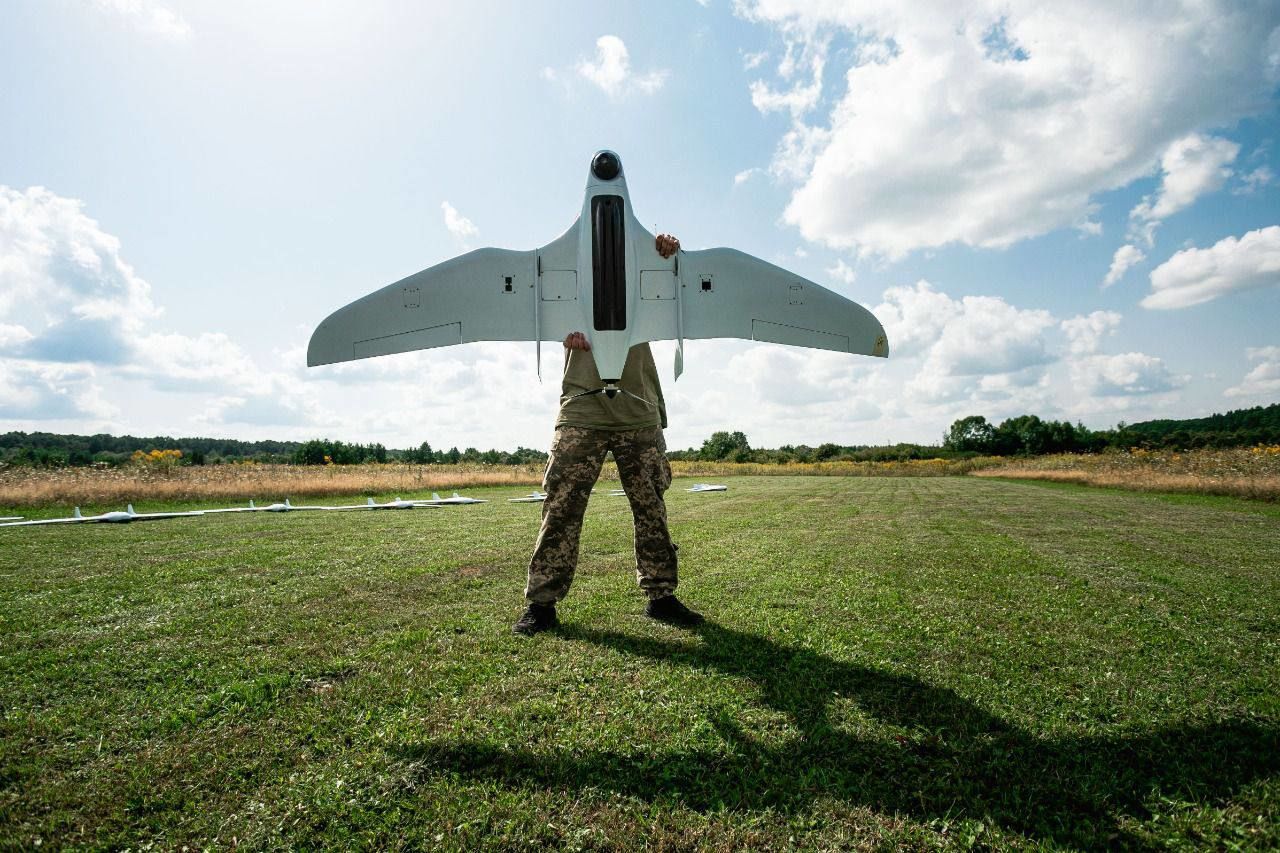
(629, 424)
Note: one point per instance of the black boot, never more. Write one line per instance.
(536, 617)
(669, 609)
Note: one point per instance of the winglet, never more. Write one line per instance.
(78, 515)
(370, 503)
(130, 510)
(456, 495)
(251, 506)
(287, 505)
(435, 496)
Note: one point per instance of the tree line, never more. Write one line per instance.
(1024, 435)
(52, 450)
(968, 436)
(1028, 435)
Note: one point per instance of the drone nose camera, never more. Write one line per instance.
(605, 166)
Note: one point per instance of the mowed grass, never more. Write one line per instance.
(888, 662)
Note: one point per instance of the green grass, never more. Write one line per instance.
(888, 663)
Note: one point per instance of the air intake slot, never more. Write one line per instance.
(608, 263)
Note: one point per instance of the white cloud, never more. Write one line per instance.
(799, 98)
(37, 392)
(1125, 374)
(462, 228)
(914, 316)
(1085, 332)
(797, 151)
(842, 272)
(751, 61)
(1193, 166)
(976, 347)
(1263, 381)
(744, 176)
(149, 17)
(986, 124)
(611, 70)
(989, 335)
(209, 361)
(76, 318)
(787, 377)
(1251, 182)
(68, 294)
(1125, 258)
(1193, 276)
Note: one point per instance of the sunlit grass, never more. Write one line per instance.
(889, 663)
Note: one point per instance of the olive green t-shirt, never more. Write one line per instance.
(639, 376)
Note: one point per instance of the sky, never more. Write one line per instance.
(1069, 210)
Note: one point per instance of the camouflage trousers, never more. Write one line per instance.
(577, 455)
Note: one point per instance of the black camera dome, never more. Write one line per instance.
(605, 166)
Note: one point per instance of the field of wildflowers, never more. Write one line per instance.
(1247, 472)
(158, 476)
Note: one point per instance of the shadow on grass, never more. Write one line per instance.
(952, 759)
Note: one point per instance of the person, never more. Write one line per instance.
(588, 426)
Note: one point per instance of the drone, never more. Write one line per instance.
(605, 278)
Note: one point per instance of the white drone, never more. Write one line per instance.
(605, 278)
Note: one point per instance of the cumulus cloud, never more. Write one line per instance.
(914, 316)
(37, 392)
(1085, 332)
(973, 347)
(1263, 380)
(842, 272)
(462, 228)
(611, 70)
(1193, 276)
(68, 295)
(986, 124)
(1125, 258)
(1192, 166)
(800, 96)
(148, 17)
(786, 377)
(75, 317)
(744, 176)
(1126, 374)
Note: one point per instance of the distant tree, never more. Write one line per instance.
(971, 434)
(827, 451)
(721, 446)
(1025, 435)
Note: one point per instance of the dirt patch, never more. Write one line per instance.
(477, 571)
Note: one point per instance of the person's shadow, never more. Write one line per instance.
(952, 759)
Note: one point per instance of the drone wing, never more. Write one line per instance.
(485, 295)
(725, 293)
(68, 520)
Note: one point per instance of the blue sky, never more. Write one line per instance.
(1066, 211)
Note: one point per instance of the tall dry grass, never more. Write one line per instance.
(239, 483)
(1244, 472)
(28, 487)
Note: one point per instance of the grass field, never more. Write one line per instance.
(888, 662)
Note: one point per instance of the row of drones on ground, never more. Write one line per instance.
(436, 502)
